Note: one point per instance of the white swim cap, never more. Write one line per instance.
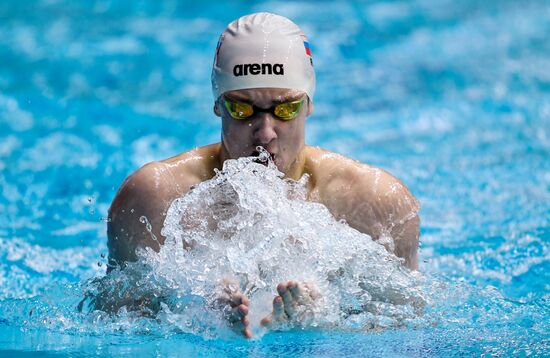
(263, 50)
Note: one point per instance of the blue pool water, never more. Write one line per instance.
(451, 97)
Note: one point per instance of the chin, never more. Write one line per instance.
(281, 166)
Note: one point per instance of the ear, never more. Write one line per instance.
(309, 108)
(217, 109)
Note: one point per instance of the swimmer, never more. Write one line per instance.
(263, 83)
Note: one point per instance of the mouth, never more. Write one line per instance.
(263, 157)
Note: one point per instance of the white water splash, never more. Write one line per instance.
(249, 224)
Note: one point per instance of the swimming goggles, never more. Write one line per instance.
(284, 111)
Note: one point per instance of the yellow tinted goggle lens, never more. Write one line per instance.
(285, 111)
(239, 110)
(289, 110)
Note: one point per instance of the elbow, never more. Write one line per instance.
(406, 239)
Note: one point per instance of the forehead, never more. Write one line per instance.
(265, 95)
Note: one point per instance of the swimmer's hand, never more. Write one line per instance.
(235, 306)
(293, 306)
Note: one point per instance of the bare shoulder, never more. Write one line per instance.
(145, 188)
(142, 198)
(145, 196)
(161, 180)
(370, 199)
(197, 164)
(332, 171)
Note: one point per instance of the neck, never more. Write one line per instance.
(297, 168)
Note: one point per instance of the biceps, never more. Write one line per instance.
(132, 225)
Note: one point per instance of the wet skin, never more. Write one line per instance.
(290, 306)
(284, 140)
(291, 303)
(369, 199)
(236, 305)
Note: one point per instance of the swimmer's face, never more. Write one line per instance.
(284, 140)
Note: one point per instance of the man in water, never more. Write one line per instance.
(263, 83)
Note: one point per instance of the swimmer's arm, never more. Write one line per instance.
(387, 211)
(141, 195)
(406, 239)
(376, 203)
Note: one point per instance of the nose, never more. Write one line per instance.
(264, 131)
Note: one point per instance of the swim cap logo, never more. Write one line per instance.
(257, 69)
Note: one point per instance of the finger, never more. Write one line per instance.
(243, 327)
(281, 288)
(238, 299)
(267, 321)
(288, 301)
(242, 310)
(296, 290)
(237, 313)
(278, 308)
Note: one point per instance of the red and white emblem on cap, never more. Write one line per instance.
(308, 51)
